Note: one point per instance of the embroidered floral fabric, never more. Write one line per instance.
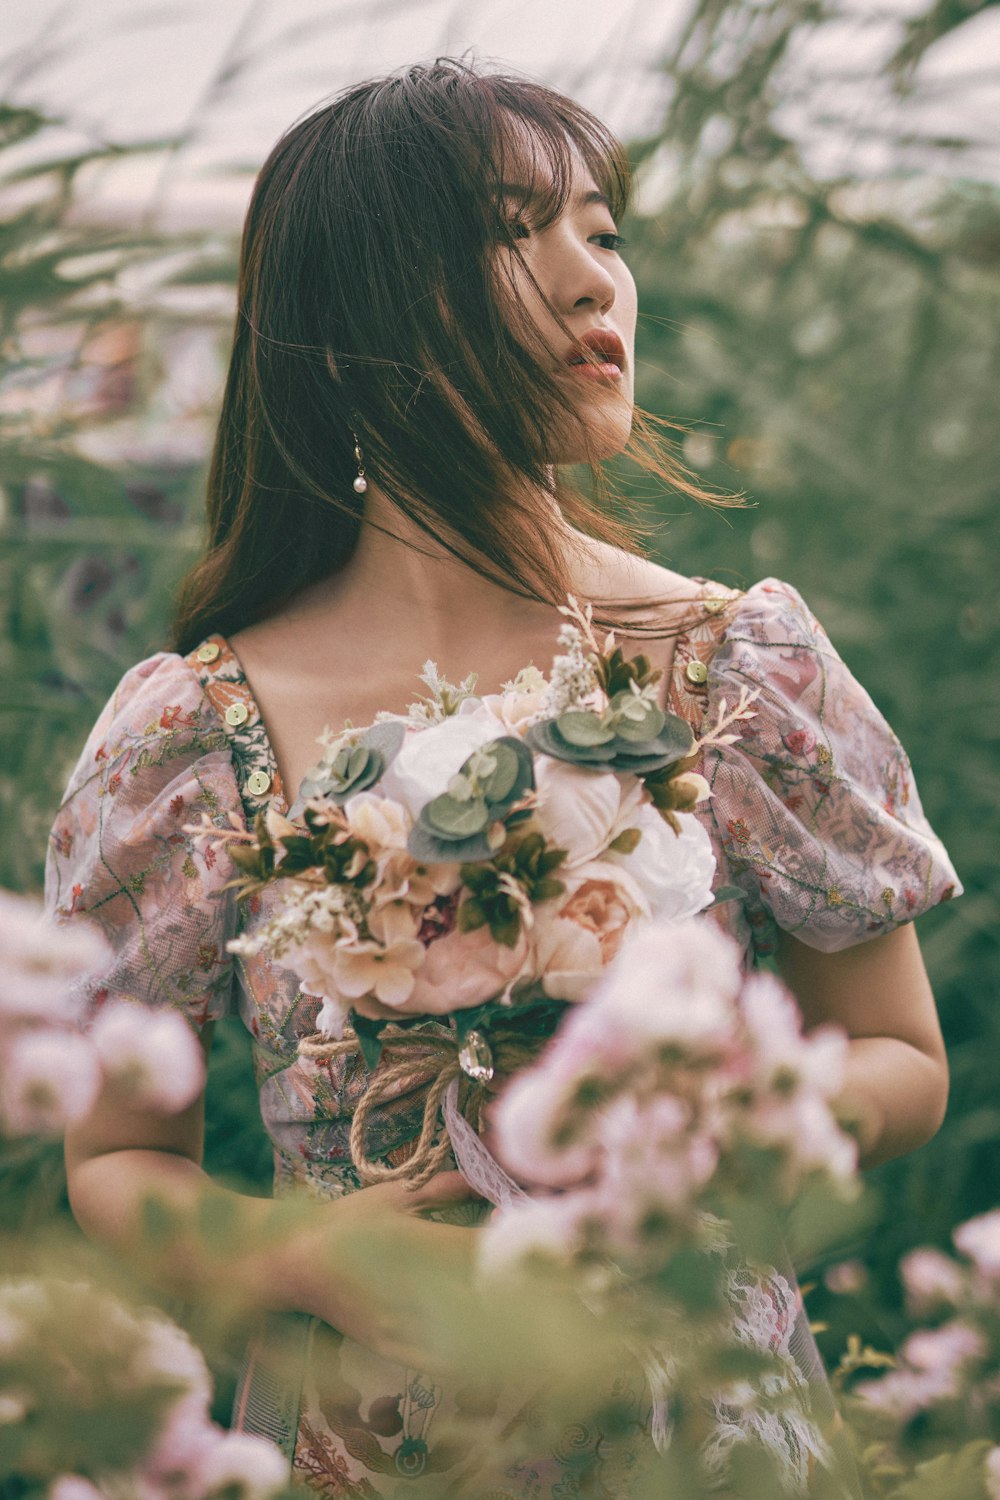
(814, 812)
(814, 816)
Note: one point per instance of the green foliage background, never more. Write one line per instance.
(831, 347)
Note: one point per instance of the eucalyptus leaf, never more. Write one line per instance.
(546, 739)
(429, 847)
(584, 729)
(523, 780)
(645, 727)
(499, 783)
(455, 820)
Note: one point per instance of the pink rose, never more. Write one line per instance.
(579, 933)
(464, 969)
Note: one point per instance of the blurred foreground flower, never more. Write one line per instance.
(663, 1132)
(934, 1418)
(98, 1399)
(51, 1070)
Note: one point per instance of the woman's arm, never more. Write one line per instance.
(897, 1073)
(331, 1259)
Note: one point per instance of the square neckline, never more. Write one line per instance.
(223, 678)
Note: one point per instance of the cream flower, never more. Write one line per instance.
(381, 822)
(583, 811)
(567, 957)
(384, 968)
(675, 871)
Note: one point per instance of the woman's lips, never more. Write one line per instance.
(607, 348)
(596, 372)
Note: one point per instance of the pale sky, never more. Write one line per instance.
(238, 72)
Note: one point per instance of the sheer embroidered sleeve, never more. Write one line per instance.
(156, 759)
(814, 811)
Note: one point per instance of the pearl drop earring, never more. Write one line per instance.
(361, 483)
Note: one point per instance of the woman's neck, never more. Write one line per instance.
(404, 580)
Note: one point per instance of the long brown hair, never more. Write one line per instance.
(368, 303)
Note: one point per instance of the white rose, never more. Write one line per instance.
(431, 757)
(582, 811)
(675, 871)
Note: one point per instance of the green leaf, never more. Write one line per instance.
(499, 783)
(728, 893)
(470, 915)
(506, 930)
(456, 820)
(584, 729)
(369, 1035)
(627, 840)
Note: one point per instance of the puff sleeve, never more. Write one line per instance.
(156, 759)
(814, 812)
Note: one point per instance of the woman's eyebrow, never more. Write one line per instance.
(527, 194)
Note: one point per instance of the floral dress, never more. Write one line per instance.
(814, 816)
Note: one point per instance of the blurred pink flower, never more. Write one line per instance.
(49, 1079)
(991, 1474)
(152, 1056)
(542, 1135)
(931, 1280)
(43, 962)
(944, 1349)
(551, 1227)
(932, 1362)
(655, 1157)
(979, 1239)
(847, 1277)
(240, 1467)
(72, 1487)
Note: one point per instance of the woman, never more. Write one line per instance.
(433, 314)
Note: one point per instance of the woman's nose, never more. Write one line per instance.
(580, 280)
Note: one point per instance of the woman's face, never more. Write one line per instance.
(577, 265)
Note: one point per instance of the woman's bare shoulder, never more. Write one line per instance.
(615, 576)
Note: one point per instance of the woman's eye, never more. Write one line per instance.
(518, 229)
(610, 241)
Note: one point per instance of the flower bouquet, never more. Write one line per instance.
(454, 877)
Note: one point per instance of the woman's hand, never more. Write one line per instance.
(372, 1266)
